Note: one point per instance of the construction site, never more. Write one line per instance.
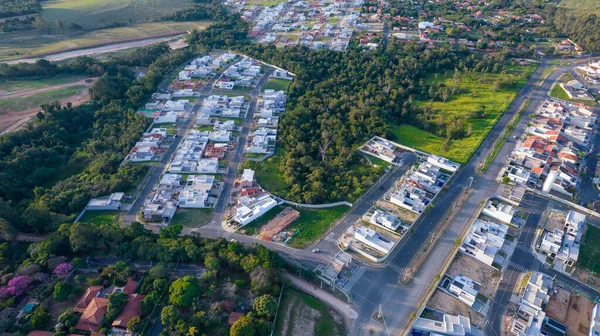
(274, 229)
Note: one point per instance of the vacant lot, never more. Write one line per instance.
(268, 174)
(192, 217)
(22, 44)
(99, 217)
(14, 86)
(559, 92)
(572, 310)
(446, 303)
(313, 224)
(476, 93)
(92, 14)
(302, 315)
(485, 275)
(277, 84)
(590, 249)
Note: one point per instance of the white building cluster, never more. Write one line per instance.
(533, 298)
(150, 147)
(563, 245)
(382, 149)
(262, 139)
(551, 153)
(484, 240)
(244, 73)
(591, 72)
(189, 156)
(217, 105)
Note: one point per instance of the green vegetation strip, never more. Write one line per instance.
(505, 134)
(34, 101)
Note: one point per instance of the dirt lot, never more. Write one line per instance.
(483, 274)
(572, 310)
(11, 121)
(554, 220)
(407, 217)
(448, 304)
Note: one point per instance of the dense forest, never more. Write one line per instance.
(582, 29)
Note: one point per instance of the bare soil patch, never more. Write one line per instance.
(483, 274)
(448, 304)
(571, 309)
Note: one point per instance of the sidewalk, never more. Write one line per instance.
(342, 307)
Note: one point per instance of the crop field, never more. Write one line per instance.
(21, 44)
(476, 93)
(92, 14)
(581, 6)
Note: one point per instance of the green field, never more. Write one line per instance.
(476, 93)
(267, 173)
(31, 84)
(253, 228)
(581, 6)
(21, 44)
(91, 14)
(559, 62)
(99, 217)
(192, 217)
(590, 250)
(277, 84)
(34, 101)
(301, 312)
(313, 224)
(558, 92)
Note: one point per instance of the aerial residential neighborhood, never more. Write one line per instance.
(299, 167)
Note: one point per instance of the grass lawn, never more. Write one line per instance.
(590, 249)
(99, 217)
(34, 101)
(559, 92)
(268, 174)
(559, 62)
(300, 311)
(476, 93)
(192, 217)
(21, 44)
(376, 161)
(236, 120)
(277, 84)
(38, 83)
(246, 97)
(313, 224)
(92, 14)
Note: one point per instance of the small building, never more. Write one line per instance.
(111, 202)
(220, 136)
(250, 208)
(484, 240)
(465, 289)
(438, 323)
(93, 315)
(500, 211)
(443, 163)
(385, 219)
(595, 322)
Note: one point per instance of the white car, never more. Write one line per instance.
(315, 251)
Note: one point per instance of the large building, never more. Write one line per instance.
(484, 240)
(250, 208)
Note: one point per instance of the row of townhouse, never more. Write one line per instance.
(174, 191)
(417, 188)
(221, 106)
(245, 73)
(550, 154)
(530, 316)
(263, 138)
(562, 244)
(150, 146)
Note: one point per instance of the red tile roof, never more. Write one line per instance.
(234, 317)
(40, 333)
(87, 297)
(130, 287)
(130, 310)
(92, 315)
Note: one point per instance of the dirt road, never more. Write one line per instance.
(335, 303)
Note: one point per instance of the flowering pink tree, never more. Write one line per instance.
(62, 270)
(16, 286)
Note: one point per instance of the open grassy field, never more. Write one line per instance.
(21, 44)
(300, 314)
(581, 6)
(590, 249)
(25, 103)
(313, 224)
(29, 84)
(476, 92)
(99, 217)
(192, 217)
(92, 14)
(267, 173)
(277, 84)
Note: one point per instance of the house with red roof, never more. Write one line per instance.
(93, 315)
(131, 309)
(86, 298)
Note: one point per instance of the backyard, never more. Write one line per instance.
(477, 92)
(300, 314)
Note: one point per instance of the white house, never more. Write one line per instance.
(438, 323)
(220, 136)
(500, 211)
(167, 117)
(411, 198)
(177, 105)
(196, 192)
(465, 289)
(373, 239)
(250, 208)
(484, 240)
(530, 314)
(208, 166)
(112, 202)
(595, 323)
(385, 219)
(185, 93)
(225, 85)
(443, 163)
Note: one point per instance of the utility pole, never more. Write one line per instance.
(471, 181)
(379, 314)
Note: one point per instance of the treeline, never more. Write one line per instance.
(583, 29)
(210, 10)
(93, 138)
(10, 8)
